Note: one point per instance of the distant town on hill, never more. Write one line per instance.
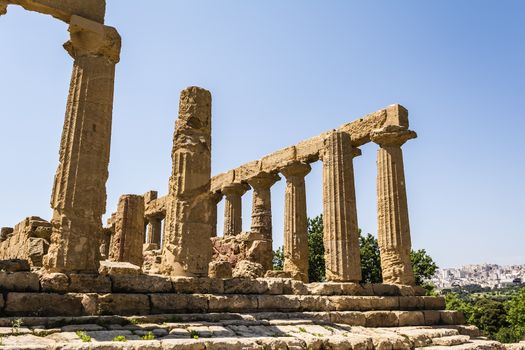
(491, 276)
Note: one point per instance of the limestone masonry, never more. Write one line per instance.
(159, 269)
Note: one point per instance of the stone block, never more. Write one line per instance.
(275, 285)
(19, 282)
(308, 150)
(36, 249)
(278, 303)
(245, 286)
(14, 265)
(383, 289)
(351, 318)
(220, 269)
(294, 287)
(315, 303)
(87, 283)
(141, 284)
(123, 304)
(434, 303)
(381, 319)
(118, 268)
(411, 303)
(233, 303)
(278, 159)
(55, 283)
(452, 317)
(432, 317)
(410, 318)
(42, 304)
(174, 303)
(203, 285)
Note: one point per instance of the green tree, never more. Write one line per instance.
(316, 263)
(278, 259)
(516, 315)
(370, 259)
(423, 265)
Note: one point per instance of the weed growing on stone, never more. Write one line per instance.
(194, 334)
(148, 336)
(15, 326)
(120, 338)
(133, 321)
(83, 336)
(302, 329)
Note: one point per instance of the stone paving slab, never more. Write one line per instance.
(245, 334)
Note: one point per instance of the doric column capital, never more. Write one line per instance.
(392, 135)
(263, 181)
(90, 38)
(235, 188)
(294, 171)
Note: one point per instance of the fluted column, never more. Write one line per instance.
(295, 220)
(128, 238)
(341, 232)
(79, 192)
(392, 208)
(262, 215)
(215, 198)
(187, 248)
(233, 207)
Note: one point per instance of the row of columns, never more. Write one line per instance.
(341, 230)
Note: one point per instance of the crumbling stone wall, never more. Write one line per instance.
(29, 240)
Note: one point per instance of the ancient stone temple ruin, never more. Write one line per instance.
(158, 274)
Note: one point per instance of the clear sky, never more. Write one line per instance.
(283, 71)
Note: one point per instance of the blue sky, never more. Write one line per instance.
(283, 71)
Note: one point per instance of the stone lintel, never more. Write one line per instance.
(63, 10)
(308, 151)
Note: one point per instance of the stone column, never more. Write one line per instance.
(233, 207)
(295, 220)
(129, 230)
(392, 208)
(79, 192)
(262, 216)
(341, 232)
(187, 248)
(154, 230)
(215, 198)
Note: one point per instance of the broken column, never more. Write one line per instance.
(341, 232)
(126, 245)
(295, 220)
(392, 208)
(79, 192)
(233, 207)
(261, 225)
(187, 248)
(154, 229)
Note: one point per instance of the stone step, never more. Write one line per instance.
(226, 334)
(451, 340)
(473, 344)
(77, 304)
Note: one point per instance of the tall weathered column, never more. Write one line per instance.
(341, 232)
(233, 207)
(295, 220)
(187, 248)
(392, 208)
(79, 191)
(128, 238)
(215, 198)
(262, 215)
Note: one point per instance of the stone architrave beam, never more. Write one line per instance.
(63, 10)
(187, 248)
(392, 207)
(79, 192)
(341, 232)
